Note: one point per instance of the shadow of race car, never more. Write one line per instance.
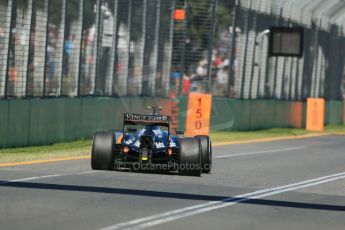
(146, 142)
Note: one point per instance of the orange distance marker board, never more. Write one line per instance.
(179, 14)
(198, 114)
(315, 114)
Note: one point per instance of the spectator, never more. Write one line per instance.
(217, 60)
(51, 61)
(201, 73)
(222, 77)
(68, 51)
(176, 77)
(201, 70)
(186, 84)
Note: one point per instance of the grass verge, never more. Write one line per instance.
(83, 147)
(59, 150)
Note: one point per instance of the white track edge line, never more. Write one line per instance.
(195, 209)
(258, 152)
(43, 177)
(210, 208)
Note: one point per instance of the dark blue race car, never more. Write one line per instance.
(146, 142)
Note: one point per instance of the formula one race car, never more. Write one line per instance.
(152, 146)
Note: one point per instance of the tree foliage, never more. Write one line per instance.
(200, 19)
(199, 29)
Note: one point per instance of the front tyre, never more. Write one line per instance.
(102, 151)
(206, 153)
(190, 157)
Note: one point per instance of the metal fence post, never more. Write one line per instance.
(129, 20)
(245, 55)
(253, 62)
(140, 84)
(317, 62)
(63, 21)
(297, 94)
(266, 93)
(322, 78)
(292, 63)
(123, 47)
(33, 6)
(20, 89)
(183, 46)
(7, 10)
(94, 70)
(81, 13)
(46, 49)
(210, 45)
(260, 41)
(167, 69)
(13, 6)
(231, 80)
(152, 85)
(99, 48)
(113, 52)
(274, 87)
(282, 87)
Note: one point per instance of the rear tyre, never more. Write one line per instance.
(206, 153)
(190, 157)
(102, 157)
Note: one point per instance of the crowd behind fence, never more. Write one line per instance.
(53, 48)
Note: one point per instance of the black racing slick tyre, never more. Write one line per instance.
(190, 157)
(102, 155)
(206, 153)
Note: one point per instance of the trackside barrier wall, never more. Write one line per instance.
(343, 113)
(334, 112)
(4, 122)
(229, 114)
(28, 122)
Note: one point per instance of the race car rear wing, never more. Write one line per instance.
(146, 119)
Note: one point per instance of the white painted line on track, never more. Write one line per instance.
(165, 217)
(43, 177)
(258, 152)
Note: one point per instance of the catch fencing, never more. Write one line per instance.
(53, 48)
(319, 73)
(71, 48)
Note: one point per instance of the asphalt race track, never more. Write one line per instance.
(293, 184)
